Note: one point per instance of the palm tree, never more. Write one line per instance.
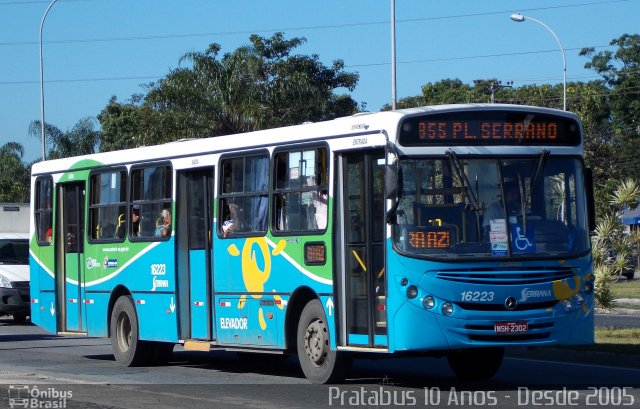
(612, 246)
(82, 139)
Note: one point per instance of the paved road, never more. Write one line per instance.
(83, 370)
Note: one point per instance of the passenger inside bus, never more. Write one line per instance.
(233, 222)
(163, 224)
(135, 220)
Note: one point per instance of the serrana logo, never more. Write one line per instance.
(158, 283)
(526, 294)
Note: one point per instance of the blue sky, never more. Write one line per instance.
(94, 49)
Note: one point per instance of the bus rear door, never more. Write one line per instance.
(70, 257)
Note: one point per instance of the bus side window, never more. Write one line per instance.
(107, 203)
(300, 190)
(243, 199)
(150, 206)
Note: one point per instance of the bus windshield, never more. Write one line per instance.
(461, 208)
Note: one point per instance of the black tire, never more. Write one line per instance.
(19, 318)
(162, 353)
(318, 361)
(629, 275)
(127, 347)
(476, 364)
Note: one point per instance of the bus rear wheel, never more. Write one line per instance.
(318, 361)
(476, 364)
(127, 348)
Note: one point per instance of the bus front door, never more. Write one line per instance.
(363, 288)
(70, 258)
(194, 245)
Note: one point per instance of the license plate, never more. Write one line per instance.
(517, 327)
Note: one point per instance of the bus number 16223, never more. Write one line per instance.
(478, 296)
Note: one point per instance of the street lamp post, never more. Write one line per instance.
(393, 55)
(519, 18)
(44, 152)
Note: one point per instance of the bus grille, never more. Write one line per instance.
(501, 307)
(492, 276)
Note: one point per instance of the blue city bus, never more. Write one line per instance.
(452, 231)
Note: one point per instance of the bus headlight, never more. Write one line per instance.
(412, 292)
(4, 282)
(447, 308)
(567, 304)
(579, 299)
(588, 287)
(428, 302)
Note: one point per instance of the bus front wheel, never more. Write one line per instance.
(318, 361)
(476, 364)
(127, 348)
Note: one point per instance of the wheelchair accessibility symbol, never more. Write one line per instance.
(523, 242)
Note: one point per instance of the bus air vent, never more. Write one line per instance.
(500, 307)
(522, 276)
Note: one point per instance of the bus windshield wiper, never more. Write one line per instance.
(542, 162)
(456, 165)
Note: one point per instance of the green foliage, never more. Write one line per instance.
(604, 295)
(257, 86)
(82, 139)
(123, 125)
(14, 174)
(612, 246)
(620, 71)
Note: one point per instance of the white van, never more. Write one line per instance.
(14, 261)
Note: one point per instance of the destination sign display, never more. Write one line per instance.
(489, 128)
(421, 238)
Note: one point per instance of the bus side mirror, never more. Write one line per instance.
(393, 190)
(591, 209)
(391, 182)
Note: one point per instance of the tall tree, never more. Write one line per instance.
(620, 71)
(257, 86)
(127, 125)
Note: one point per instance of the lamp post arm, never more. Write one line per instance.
(564, 60)
(44, 17)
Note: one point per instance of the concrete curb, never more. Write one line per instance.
(622, 310)
(618, 311)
